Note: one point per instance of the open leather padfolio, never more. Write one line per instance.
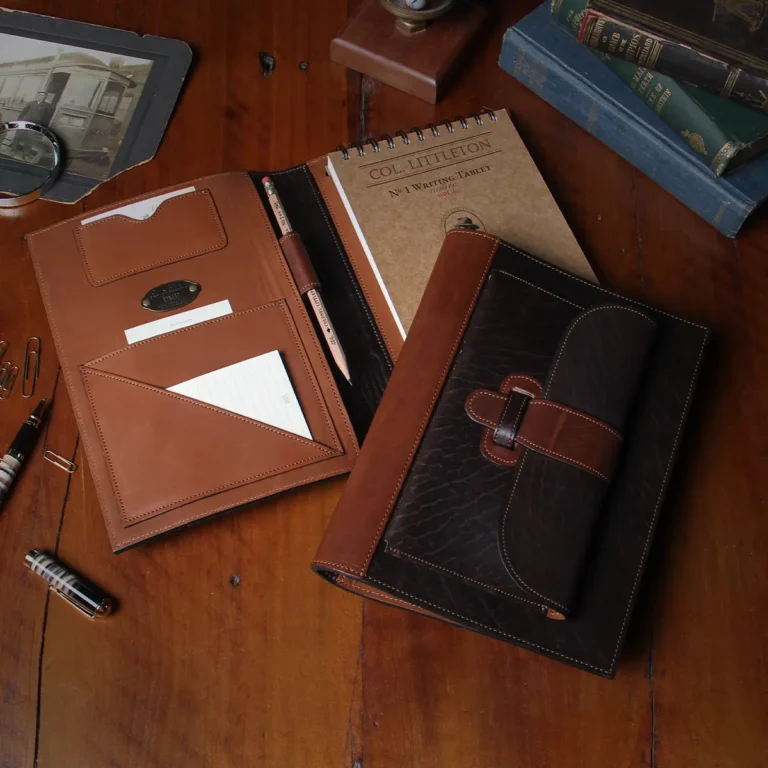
(513, 474)
(162, 460)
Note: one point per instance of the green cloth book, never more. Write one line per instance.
(723, 132)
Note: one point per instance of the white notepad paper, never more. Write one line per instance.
(257, 388)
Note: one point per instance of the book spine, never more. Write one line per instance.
(668, 165)
(646, 49)
(664, 95)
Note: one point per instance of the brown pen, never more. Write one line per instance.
(316, 301)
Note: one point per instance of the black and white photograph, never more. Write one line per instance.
(86, 97)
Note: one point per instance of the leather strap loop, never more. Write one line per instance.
(298, 260)
(519, 418)
(506, 430)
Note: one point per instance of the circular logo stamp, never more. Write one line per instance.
(464, 218)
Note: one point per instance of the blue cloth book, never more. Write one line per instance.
(566, 74)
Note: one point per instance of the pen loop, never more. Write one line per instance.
(31, 351)
(60, 462)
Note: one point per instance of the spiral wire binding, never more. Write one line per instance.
(359, 146)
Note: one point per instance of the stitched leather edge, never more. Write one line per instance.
(325, 453)
(575, 322)
(498, 590)
(125, 543)
(435, 394)
(81, 245)
(492, 630)
(574, 412)
(289, 321)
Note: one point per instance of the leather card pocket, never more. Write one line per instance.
(181, 227)
(163, 449)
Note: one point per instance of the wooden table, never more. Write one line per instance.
(226, 650)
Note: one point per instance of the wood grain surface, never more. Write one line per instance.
(225, 650)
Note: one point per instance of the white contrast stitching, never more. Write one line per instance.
(493, 630)
(575, 323)
(652, 526)
(206, 249)
(435, 394)
(507, 560)
(566, 409)
(568, 459)
(465, 578)
(543, 290)
(485, 393)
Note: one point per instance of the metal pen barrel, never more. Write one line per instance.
(83, 595)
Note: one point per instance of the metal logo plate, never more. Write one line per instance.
(173, 295)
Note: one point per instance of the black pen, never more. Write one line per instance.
(22, 445)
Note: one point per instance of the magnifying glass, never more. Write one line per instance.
(30, 162)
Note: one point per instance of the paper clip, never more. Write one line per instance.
(8, 374)
(3, 348)
(60, 462)
(28, 382)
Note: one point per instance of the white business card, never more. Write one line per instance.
(178, 321)
(140, 210)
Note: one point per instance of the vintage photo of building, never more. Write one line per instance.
(85, 96)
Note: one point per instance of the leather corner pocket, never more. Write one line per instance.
(181, 227)
(179, 449)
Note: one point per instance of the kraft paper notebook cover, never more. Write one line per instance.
(515, 470)
(404, 193)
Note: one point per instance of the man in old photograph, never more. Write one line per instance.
(38, 111)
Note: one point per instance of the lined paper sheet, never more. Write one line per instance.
(258, 388)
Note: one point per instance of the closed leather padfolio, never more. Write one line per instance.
(161, 460)
(513, 475)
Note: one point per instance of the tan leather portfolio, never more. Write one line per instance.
(160, 459)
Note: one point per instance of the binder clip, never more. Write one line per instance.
(31, 355)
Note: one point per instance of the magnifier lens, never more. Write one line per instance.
(28, 159)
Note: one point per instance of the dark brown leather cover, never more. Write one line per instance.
(161, 460)
(427, 518)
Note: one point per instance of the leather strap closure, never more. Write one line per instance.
(517, 417)
(299, 262)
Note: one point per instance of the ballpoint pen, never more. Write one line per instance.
(21, 447)
(315, 300)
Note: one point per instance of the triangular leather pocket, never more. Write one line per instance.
(165, 450)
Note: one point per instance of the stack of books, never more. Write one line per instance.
(680, 90)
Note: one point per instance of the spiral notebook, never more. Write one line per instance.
(404, 193)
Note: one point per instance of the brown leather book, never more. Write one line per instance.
(513, 475)
(159, 459)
